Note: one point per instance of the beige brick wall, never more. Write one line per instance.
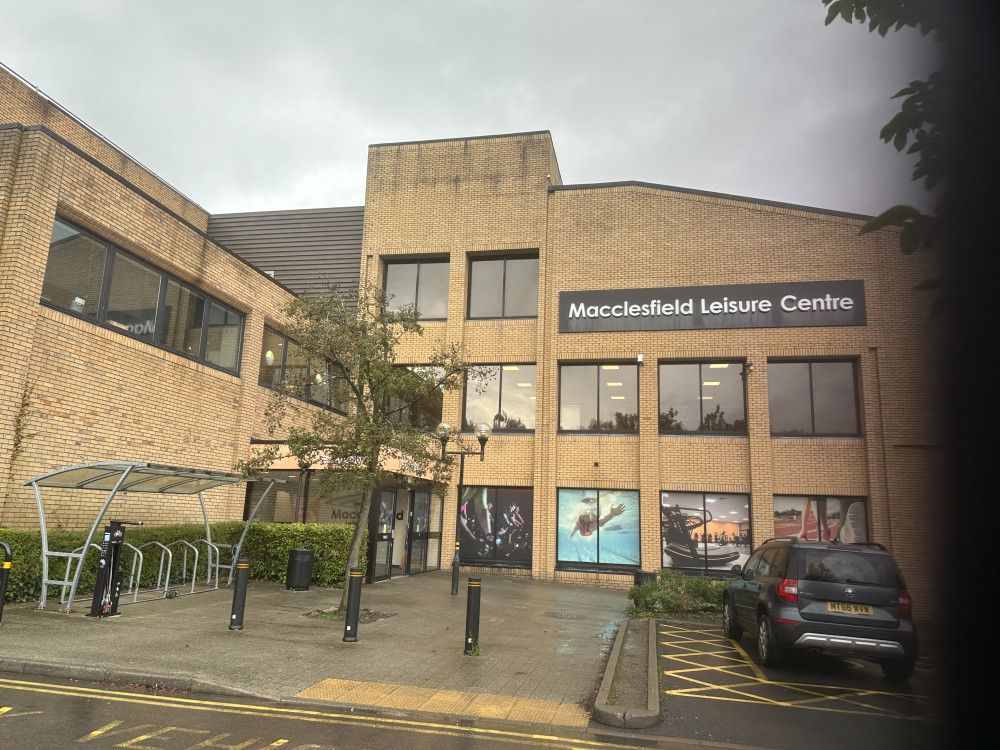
(85, 393)
(457, 198)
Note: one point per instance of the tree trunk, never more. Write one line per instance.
(359, 532)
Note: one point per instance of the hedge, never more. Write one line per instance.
(266, 546)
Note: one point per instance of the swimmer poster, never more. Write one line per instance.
(598, 526)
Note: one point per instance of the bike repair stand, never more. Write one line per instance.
(108, 588)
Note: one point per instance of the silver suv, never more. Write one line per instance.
(842, 599)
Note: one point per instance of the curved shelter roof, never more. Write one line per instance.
(142, 477)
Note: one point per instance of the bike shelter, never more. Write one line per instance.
(132, 476)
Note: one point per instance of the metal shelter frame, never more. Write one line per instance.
(129, 476)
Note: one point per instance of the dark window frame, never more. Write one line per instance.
(597, 398)
(310, 373)
(468, 427)
(855, 382)
(598, 566)
(472, 260)
(701, 364)
(494, 561)
(156, 339)
(418, 262)
(407, 412)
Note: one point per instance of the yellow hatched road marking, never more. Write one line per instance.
(727, 657)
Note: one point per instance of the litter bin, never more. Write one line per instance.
(300, 569)
(644, 576)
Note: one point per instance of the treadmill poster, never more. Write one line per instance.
(704, 530)
(821, 518)
(599, 527)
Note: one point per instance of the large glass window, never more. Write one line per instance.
(421, 283)
(597, 527)
(416, 405)
(502, 396)
(813, 398)
(704, 530)
(821, 518)
(702, 397)
(283, 365)
(89, 277)
(495, 526)
(599, 398)
(503, 287)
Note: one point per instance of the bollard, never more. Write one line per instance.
(454, 572)
(4, 574)
(472, 617)
(353, 605)
(240, 594)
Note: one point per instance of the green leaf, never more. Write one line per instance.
(894, 216)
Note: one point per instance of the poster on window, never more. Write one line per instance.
(821, 518)
(495, 525)
(599, 527)
(704, 531)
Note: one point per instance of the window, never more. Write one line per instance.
(503, 287)
(502, 396)
(282, 365)
(813, 398)
(422, 283)
(495, 526)
(821, 518)
(597, 528)
(702, 397)
(599, 398)
(416, 405)
(95, 279)
(704, 530)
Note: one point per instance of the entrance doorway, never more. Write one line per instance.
(407, 538)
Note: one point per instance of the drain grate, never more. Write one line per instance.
(562, 615)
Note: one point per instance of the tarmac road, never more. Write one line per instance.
(715, 690)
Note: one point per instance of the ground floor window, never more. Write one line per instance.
(597, 528)
(821, 518)
(704, 530)
(495, 526)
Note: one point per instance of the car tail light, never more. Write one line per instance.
(905, 603)
(788, 590)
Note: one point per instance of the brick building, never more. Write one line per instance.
(672, 375)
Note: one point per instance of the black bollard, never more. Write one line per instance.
(472, 617)
(454, 572)
(353, 605)
(4, 574)
(239, 594)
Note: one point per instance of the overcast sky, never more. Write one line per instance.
(245, 105)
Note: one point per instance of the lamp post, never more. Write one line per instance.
(443, 431)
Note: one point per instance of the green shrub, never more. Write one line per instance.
(266, 546)
(674, 593)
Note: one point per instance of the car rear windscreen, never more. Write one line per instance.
(845, 566)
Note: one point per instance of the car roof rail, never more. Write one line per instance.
(781, 539)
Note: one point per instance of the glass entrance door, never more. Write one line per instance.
(383, 534)
(420, 531)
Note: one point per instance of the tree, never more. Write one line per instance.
(358, 337)
(919, 125)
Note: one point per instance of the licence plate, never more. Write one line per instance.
(849, 608)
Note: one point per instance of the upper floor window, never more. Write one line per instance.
(421, 403)
(421, 283)
(502, 396)
(93, 278)
(702, 397)
(813, 398)
(599, 398)
(283, 365)
(503, 287)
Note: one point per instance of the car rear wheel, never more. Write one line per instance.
(729, 626)
(898, 669)
(767, 647)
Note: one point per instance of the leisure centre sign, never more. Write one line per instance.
(782, 305)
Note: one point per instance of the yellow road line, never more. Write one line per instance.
(327, 717)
